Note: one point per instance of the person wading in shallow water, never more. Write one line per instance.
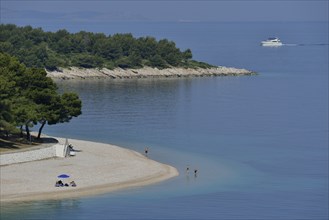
(195, 173)
(187, 170)
(146, 151)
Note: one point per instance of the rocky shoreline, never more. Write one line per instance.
(145, 72)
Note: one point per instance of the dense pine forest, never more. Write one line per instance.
(37, 48)
(28, 97)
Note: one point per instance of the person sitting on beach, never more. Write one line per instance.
(73, 184)
(59, 183)
(70, 147)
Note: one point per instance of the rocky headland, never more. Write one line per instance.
(145, 72)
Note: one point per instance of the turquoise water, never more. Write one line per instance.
(260, 143)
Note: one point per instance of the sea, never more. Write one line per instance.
(259, 143)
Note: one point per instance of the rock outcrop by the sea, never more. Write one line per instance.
(145, 72)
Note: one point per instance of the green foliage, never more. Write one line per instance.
(158, 61)
(24, 112)
(29, 97)
(71, 106)
(6, 117)
(197, 64)
(187, 54)
(86, 61)
(36, 48)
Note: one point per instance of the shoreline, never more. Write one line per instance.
(145, 72)
(97, 168)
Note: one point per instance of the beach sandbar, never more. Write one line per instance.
(97, 168)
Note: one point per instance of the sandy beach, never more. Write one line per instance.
(97, 168)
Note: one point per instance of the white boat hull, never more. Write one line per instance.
(271, 44)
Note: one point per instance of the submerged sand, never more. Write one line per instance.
(97, 168)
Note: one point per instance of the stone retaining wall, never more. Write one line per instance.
(26, 156)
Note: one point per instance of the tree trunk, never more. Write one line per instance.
(21, 131)
(28, 135)
(40, 129)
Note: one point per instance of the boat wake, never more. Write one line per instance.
(295, 45)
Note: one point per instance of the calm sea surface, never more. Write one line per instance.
(260, 143)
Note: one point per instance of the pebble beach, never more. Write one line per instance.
(97, 168)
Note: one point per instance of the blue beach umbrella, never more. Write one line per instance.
(63, 176)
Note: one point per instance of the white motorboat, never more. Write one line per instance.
(272, 42)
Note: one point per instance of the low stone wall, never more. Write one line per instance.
(31, 155)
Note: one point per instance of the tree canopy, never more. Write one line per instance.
(50, 50)
(28, 97)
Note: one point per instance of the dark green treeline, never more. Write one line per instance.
(37, 48)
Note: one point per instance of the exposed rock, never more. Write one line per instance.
(146, 72)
